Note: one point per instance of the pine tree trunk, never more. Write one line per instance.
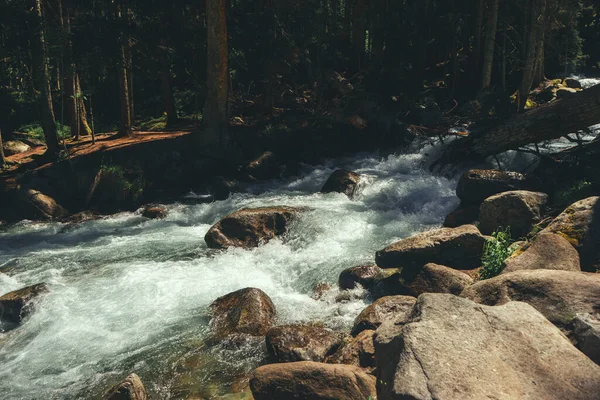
(84, 127)
(168, 99)
(533, 47)
(539, 74)
(216, 110)
(129, 64)
(478, 33)
(490, 44)
(359, 32)
(42, 82)
(125, 127)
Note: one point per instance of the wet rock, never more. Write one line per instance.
(265, 166)
(546, 251)
(131, 388)
(517, 209)
(456, 349)
(358, 351)
(247, 311)
(395, 309)
(154, 212)
(13, 147)
(580, 225)
(432, 278)
(250, 227)
(16, 305)
(477, 185)
(565, 92)
(222, 187)
(35, 205)
(289, 343)
(586, 330)
(573, 83)
(320, 290)
(459, 248)
(307, 380)
(558, 295)
(82, 216)
(342, 181)
(463, 215)
(364, 275)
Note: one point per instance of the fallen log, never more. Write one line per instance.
(549, 121)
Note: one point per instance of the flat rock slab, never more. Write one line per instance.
(459, 248)
(307, 380)
(289, 343)
(546, 251)
(456, 349)
(250, 227)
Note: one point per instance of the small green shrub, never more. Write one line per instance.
(119, 188)
(37, 131)
(495, 252)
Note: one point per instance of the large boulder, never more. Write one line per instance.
(432, 278)
(558, 295)
(307, 380)
(546, 251)
(289, 343)
(454, 348)
(358, 351)
(131, 388)
(250, 227)
(16, 305)
(364, 275)
(476, 185)
(12, 147)
(586, 330)
(396, 309)
(459, 248)
(342, 181)
(518, 210)
(35, 205)
(247, 311)
(580, 225)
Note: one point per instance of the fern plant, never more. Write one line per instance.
(495, 251)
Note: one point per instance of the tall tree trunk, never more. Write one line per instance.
(539, 73)
(478, 33)
(2, 158)
(84, 127)
(549, 121)
(538, 8)
(490, 44)
(129, 63)
(359, 34)
(216, 110)
(379, 29)
(42, 82)
(168, 99)
(125, 127)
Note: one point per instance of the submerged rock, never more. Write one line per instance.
(16, 305)
(247, 311)
(459, 248)
(517, 209)
(364, 275)
(289, 343)
(307, 380)
(390, 308)
(580, 225)
(342, 181)
(546, 251)
(250, 227)
(454, 348)
(131, 388)
(358, 351)
(476, 185)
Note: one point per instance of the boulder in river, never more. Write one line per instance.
(459, 248)
(546, 251)
(131, 388)
(247, 311)
(364, 275)
(580, 225)
(35, 205)
(558, 295)
(250, 227)
(476, 185)
(358, 351)
(586, 330)
(390, 308)
(454, 348)
(307, 380)
(342, 181)
(152, 211)
(518, 209)
(289, 343)
(16, 305)
(432, 278)
(12, 147)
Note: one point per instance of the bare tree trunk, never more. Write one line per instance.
(533, 47)
(359, 35)
(478, 33)
(129, 60)
(42, 83)
(490, 44)
(168, 99)
(549, 121)
(84, 127)
(216, 110)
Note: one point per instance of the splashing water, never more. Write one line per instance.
(129, 294)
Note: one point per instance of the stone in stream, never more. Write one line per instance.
(16, 305)
(152, 211)
(251, 227)
(342, 181)
(518, 209)
(364, 275)
(476, 185)
(390, 308)
(358, 351)
(580, 225)
(131, 388)
(288, 343)
(246, 311)
(546, 251)
(459, 248)
(453, 348)
(307, 380)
